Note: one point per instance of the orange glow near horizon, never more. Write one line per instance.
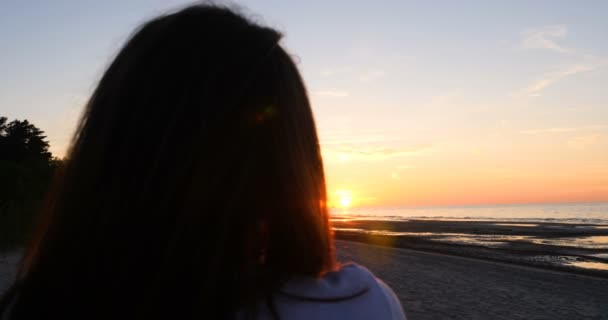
(517, 173)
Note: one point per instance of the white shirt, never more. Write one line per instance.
(352, 292)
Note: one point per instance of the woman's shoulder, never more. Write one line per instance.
(352, 292)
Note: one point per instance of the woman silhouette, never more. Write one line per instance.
(194, 189)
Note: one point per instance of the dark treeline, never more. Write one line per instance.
(26, 169)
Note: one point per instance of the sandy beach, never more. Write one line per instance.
(573, 247)
(8, 265)
(439, 286)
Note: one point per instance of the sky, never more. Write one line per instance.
(416, 102)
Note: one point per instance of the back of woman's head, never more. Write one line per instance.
(194, 185)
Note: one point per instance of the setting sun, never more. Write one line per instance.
(344, 198)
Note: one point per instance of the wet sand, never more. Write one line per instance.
(579, 248)
(439, 286)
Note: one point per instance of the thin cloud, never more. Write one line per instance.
(374, 153)
(338, 138)
(446, 98)
(332, 93)
(549, 130)
(536, 88)
(327, 73)
(330, 72)
(545, 38)
(588, 141)
(374, 145)
(563, 129)
(371, 75)
(396, 174)
(385, 152)
(405, 167)
(503, 173)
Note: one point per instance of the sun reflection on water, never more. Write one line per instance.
(589, 265)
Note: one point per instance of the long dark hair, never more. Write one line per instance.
(194, 185)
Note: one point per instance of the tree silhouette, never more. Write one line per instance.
(22, 142)
(26, 166)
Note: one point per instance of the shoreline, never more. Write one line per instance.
(552, 246)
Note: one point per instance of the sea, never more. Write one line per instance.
(579, 213)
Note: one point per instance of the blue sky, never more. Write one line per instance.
(414, 96)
